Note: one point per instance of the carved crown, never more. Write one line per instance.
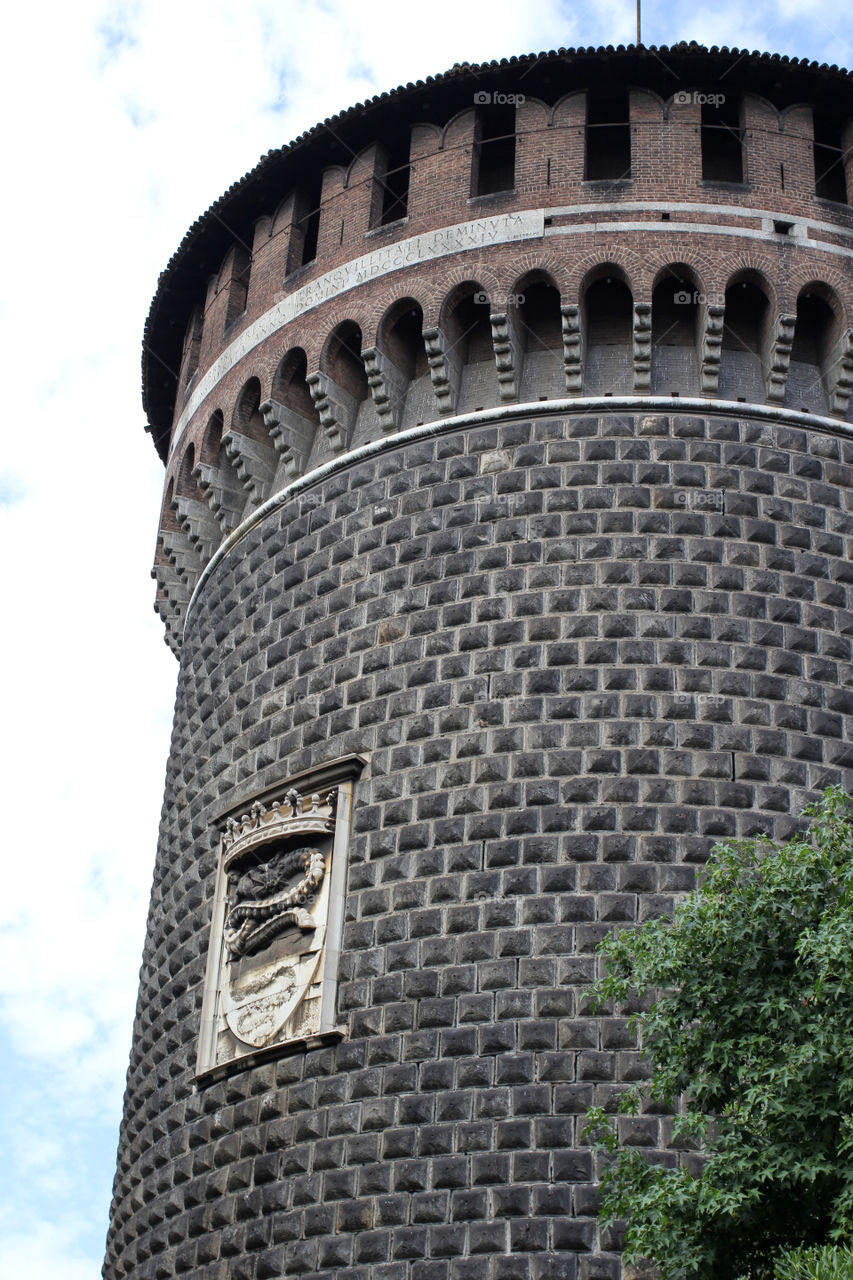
(294, 815)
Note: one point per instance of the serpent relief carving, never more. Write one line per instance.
(268, 897)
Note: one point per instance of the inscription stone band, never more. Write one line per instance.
(505, 228)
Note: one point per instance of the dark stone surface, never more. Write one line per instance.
(571, 677)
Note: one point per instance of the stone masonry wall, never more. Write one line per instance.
(576, 651)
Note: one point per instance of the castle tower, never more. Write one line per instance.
(505, 546)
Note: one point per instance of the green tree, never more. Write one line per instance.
(747, 1024)
(829, 1262)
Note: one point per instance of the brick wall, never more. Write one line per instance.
(666, 166)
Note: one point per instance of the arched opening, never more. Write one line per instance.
(168, 516)
(348, 413)
(467, 325)
(810, 371)
(291, 416)
(343, 360)
(675, 331)
(744, 341)
(193, 515)
(609, 329)
(469, 338)
(216, 478)
(171, 546)
(211, 445)
(186, 486)
(249, 445)
(290, 387)
(401, 339)
(538, 303)
(247, 419)
(540, 334)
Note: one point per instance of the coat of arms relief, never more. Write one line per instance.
(279, 895)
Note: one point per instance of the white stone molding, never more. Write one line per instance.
(277, 923)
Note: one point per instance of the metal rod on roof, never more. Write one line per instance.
(639, 37)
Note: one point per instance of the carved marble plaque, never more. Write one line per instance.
(279, 893)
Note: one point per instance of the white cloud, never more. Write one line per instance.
(47, 1252)
(127, 120)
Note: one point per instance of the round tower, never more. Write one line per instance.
(505, 547)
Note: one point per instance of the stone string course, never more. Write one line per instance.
(577, 651)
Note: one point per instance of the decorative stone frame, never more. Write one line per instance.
(272, 965)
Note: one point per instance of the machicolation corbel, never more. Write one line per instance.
(642, 353)
(508, 357)
(291, 434)
(445, 368)
(572, 348)
(337, 409)
(388, 385)
(780, 358)
(254, 462)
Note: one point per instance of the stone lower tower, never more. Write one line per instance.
(505, 546)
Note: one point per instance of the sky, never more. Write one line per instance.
(122, 123)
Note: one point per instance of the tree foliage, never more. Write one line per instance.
(749, 1038)
(830, 1262)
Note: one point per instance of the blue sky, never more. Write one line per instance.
(127, 120)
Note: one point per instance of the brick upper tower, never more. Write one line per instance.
(505, 545)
